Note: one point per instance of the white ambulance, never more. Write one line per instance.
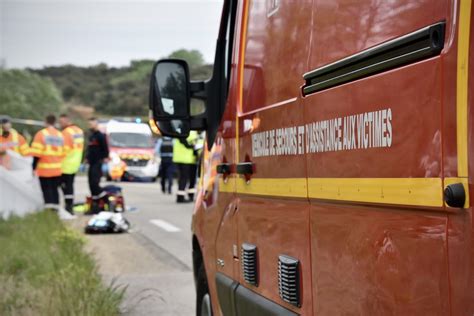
(132, 143)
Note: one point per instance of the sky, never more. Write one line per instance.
(37, 33)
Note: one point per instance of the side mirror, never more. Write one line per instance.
(170, 97)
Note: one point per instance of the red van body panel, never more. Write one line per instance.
(362, 209)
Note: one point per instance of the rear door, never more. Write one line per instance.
(374, 119)
(273, 209)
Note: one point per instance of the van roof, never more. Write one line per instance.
(125, 127)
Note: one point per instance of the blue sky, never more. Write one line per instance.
(37, 33)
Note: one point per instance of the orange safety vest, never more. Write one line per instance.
(48, 146)
(16, 142)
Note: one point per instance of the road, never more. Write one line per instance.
(154, 259)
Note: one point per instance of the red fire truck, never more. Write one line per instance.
(338, 171)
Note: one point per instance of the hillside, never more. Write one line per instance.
(115, 91)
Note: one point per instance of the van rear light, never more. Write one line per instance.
(288, 280)
(249, 264)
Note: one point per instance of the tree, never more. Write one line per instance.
(193, 57)
(27, 95)
(114, 91)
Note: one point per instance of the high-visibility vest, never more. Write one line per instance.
(73, 149)
(48, 146)
(16, 142)
(181, 154)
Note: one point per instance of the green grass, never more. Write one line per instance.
(45, 271)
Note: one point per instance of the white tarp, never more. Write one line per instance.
(20, 192)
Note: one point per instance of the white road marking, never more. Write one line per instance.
(165, 225)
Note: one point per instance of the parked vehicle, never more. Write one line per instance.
(338, 173)
(132, 155)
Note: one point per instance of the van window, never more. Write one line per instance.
(130, 140)
(222, 71)
(276, 52)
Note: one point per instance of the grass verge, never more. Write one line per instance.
(45, 271)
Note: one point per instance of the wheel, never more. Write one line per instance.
(203, 300)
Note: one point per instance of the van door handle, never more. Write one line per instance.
(245, 168)
(223, 168)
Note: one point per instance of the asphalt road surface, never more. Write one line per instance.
(154, 259)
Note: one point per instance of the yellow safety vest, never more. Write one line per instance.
(181, 154)
(73, 148)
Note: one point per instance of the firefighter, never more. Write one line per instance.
(184, 157)
(164, 148)
(10, 139)
(48, 152)
(97, 154)
(73, 148)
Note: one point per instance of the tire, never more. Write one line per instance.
(203, 299)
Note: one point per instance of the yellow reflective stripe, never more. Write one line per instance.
(398, 191)
(24, 149)
(462, 85)
(36, 148)
(35, 151)
(401, 191)
(49, 165)
(228, 186)
(288, 187)
(49, 152)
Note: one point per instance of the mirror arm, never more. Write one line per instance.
(199, 122)
(198, 90)
(197, 86)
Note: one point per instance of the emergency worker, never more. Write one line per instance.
(198, 149)
(48, 152)
(10, 139)
(184, 157)
(164, 148)
(97, 154)
(73, 148)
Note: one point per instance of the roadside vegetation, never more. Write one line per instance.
(82, 92)
(45, 271)
(116, 91)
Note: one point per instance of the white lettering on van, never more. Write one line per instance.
(359, 131)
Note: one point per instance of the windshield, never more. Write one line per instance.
(131, 140)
